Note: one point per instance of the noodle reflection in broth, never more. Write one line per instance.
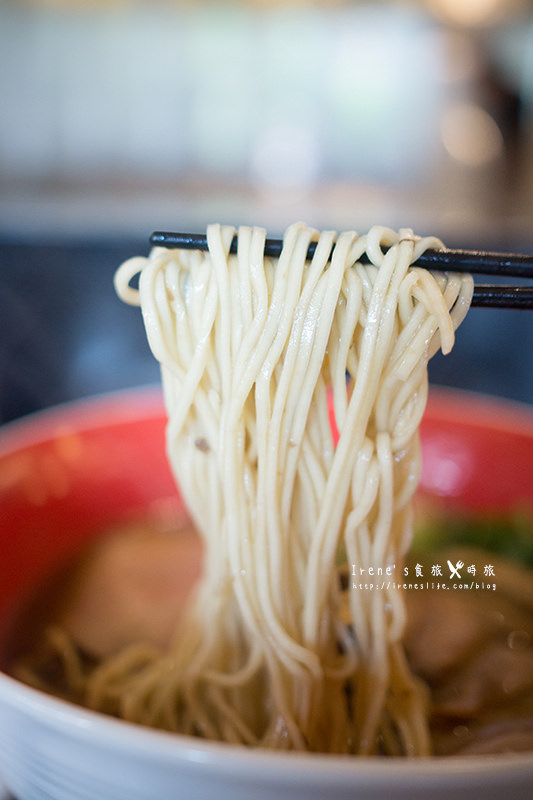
(269, 652)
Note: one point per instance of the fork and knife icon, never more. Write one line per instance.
(454, 571)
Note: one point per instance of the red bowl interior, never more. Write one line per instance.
(477, 452)
(67, 474)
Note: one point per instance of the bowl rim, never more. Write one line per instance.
(120, 406)
(131, 403)
(481, 410)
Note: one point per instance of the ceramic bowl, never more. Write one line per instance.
(67, 473)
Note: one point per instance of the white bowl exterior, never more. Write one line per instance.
(55, 750)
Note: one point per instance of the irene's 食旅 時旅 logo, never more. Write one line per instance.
(445, 575)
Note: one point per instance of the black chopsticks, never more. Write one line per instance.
(507, 265)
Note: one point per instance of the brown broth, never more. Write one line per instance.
(473, 649)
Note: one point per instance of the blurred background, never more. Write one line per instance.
(119, 117)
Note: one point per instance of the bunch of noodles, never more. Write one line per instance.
(251, 348)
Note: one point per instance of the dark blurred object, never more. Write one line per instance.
(64, 334)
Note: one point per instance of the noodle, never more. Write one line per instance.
(250, 349)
